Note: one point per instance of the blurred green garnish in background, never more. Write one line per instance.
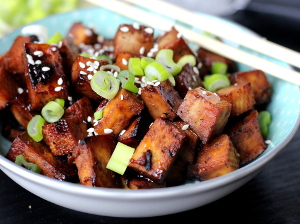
(14, 13)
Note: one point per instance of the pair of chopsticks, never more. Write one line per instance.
(247, 40)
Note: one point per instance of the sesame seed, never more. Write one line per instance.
(82, 73)
(150, 54)
(124, 61)
(38, 53)
(100, 38)
(124, 29)
(29, 59)
(122, 132)
(136, 26)
(204, 92)
(235, 84)
(149, 30)
(45, 69)
(216, 94)
(185, 127)
(97, 63)
(140, 91)
(90, 69)
(20, 90)
(156, 84)
(108, 130)
(82, 65)
(91, 130)
(122, 97)
(88, 32)
(59, 44)
(195, 69)
(57, 89)
(88, 63)
(142, 50)
(54, 49)
(90, 77)
(89, 119)
(116, 74)
(60, 81)
(38, 62)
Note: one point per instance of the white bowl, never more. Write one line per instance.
(284, 109)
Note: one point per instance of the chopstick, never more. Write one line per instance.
(204, 41)
(253, 42)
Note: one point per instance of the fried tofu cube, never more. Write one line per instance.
(240, 96)
(205, 112)
(9, 88)
(245, 134)
(208, 58)
(40, 154)
(45, 78)
(20, 107)
(158, 150)
(119, 112)
(14, 58)
(133, 40)
(161, 100)
(136, 182)
(261, 87)
(187, 79)
(63, 136)
(173, 40)
(10, 126)
(217, 158)
(135, 132)
(82, 70)
(81, 34)
(92, 157)
(179, 170)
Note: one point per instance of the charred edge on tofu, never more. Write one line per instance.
(148, 160)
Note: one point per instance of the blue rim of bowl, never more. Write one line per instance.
(142, 194)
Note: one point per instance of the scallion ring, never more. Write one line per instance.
(219, 68)
(21, 160)
(55, 38)
(104, 57)
(127, 81)
(146, 61)
(215, 82)
(187, 59)
(264, 120)
(105, 85)
(110, 67)
(134, 66)
(98, 114)
(35, 126)
(52, 111)
(165, 57)
(156, 71)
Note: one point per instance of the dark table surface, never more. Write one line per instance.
(273, 196)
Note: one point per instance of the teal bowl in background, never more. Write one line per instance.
(284, 109)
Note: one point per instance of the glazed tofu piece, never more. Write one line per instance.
(179, 170)
(187, 79)
(135, 182)
(173, 40)
(240, 96)
(208, 58)
(119, 112)
(14, 58)
(20, 107)
(92, 157)
(217, 158)
(81, 34)
(40, 154)
(10, 126)
(158, 150)
(45, 78)
(135, 40)
(245, 134)
(63, 136)
(205, 112)
(260, 85)
(135, 132)
(9, 88)
(161, 100)
(82, 71)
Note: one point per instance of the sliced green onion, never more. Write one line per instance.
(156, 71)
(87, 55)
(134, 66)
(120, 158)
(21, 160)
(105, 85)
(55, 39)
(127, 81)
(34, 128)
(61, 102)
(110, 67)
(104, 57)
(219, 68)
(52, 111)
(187, 59)
(172, 80)
(146, 61)
(165, 57)
(98, 114)
(215, 82)
(264, 120)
